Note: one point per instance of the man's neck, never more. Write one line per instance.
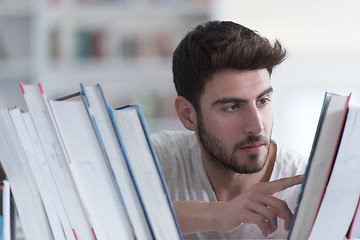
(227, 184)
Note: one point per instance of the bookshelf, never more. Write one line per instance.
(16, 48)
(126, 45)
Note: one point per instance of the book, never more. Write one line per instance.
(343, 189)
(92, 176)
(23, 186)
(145, 170)
(42, 117)
(45, 180)
(354, 229)
(6, 212)
(98, 110)
(321, 160)
(58, 220)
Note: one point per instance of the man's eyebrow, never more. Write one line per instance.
(269, 90)
(228, 100)
(239, 100)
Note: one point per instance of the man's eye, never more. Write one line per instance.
(231, 107)
(264, 101)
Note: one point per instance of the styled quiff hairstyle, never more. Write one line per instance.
(215, 46)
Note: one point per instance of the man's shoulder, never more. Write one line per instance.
(291, 160)
(177, 137)
(175, 144)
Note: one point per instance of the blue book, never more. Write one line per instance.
(99, 113)
(145, 170)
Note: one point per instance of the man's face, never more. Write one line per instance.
(235, 120)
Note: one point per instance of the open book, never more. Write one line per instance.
(331, 186)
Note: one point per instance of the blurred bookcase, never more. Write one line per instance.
(126, 45)
(16, 49)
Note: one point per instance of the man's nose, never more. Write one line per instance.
(253, 121)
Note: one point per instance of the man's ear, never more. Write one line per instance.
(186, 113)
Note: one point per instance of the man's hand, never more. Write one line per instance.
(258, 206)
(255, 206)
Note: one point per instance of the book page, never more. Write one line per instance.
(91, 174)
(98, 110)
(23, 186)
(321, 159)
(40, 181)
(343, 190)
(145, 172)
(39, 109)
(45, 180)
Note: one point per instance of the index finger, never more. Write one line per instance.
(283, 183)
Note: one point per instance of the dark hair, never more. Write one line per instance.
(215, 46)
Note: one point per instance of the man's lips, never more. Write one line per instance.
(252, 147)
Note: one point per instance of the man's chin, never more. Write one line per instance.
(255, 164)
(247, 170)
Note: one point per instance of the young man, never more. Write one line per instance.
(227, 178)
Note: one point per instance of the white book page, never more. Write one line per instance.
(146, 173)
(92, 177)
(322, 160)
(342, 194)
(43, 121)
(45, 179)
(26, 195)
(105, 128)
(41, 183)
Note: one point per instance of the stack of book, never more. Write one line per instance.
(80, 169)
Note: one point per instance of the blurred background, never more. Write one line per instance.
(126, 45)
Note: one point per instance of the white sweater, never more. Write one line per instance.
(179, 156)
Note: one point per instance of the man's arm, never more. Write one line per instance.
(255, 206)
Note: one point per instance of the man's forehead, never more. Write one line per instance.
(238, 83)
